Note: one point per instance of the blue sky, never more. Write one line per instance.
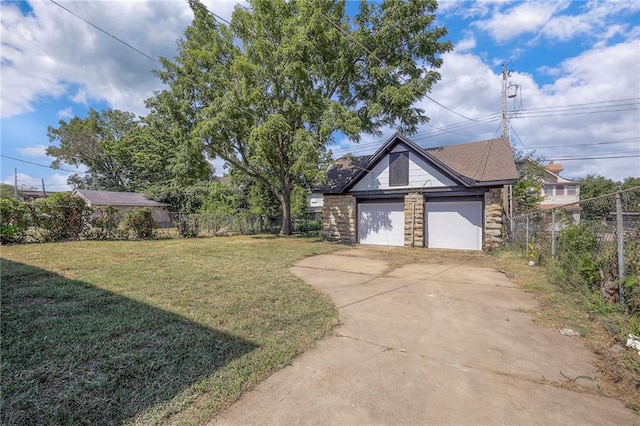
(576, 65)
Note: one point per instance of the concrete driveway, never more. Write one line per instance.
(445, 343)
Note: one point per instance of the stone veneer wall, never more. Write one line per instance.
(339, 218)
(417, 239)
(493, 218)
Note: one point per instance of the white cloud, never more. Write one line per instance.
(34, 151)
(472, 88)
(467, 43)
(549, 20)
(50, 51)
(523, 18)
(54, 182)
(80, 97)
(65, 113)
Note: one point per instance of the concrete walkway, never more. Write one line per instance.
(428, 344)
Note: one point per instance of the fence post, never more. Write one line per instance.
(620, 229)
(553, 233)
(527, 237)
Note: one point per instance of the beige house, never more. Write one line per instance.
(123, 201)
(558, 191)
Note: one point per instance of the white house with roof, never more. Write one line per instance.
(558, 191)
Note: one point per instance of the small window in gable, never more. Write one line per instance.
(399, 169)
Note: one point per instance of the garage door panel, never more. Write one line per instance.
(381, 224)
(454, 225)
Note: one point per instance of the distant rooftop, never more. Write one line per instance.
(113, 198)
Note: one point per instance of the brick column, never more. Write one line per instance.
(414, 204)
(339, 218)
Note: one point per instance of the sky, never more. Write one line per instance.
(574, 67)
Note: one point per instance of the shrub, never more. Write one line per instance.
(188, 226)
(61, 216)
(139, 223)
(577, 256)
(106, 225)
(14, 221)
(631, 281)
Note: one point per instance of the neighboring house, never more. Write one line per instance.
(403, 195)
(558, 191)
(123, 201)
(315, 202)
(34, 194)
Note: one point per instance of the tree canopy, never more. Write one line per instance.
(527, 192)
(123, 153)
(268, 92)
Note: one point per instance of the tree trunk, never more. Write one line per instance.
(285, 200)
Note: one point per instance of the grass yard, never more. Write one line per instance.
(142, 332)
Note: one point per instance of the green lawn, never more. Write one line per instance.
(146, 332)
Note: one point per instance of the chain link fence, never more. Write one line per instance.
(593, 243)
(242, 224)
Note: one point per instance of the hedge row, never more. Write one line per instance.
(64, 216)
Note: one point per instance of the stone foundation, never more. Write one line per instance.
(339, 218)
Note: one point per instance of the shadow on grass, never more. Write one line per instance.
(76, 354)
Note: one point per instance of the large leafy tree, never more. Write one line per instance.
(123, 153)
(91, 142)
(268, 92)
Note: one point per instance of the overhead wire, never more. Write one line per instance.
(614, 142)
(594, 157)
(106, 32)
(541, 112)
(40, 165)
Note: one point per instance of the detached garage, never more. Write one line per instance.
(404, 195)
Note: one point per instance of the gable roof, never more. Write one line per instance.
(113, 198)
(482, 163)
(552, 172)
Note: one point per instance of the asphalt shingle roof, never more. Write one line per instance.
(483, 162)
(113, 198)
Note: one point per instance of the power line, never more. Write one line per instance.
(585, 104)
(40, 165)
(594, 158)
(520, 139)
(558, 114)
(614, 142)
(105, 32)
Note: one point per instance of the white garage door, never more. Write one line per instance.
(381, 224)
(454, 225)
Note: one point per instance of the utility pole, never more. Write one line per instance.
(44, 193)
(505, 135)
(505, 130)
(15, 183)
